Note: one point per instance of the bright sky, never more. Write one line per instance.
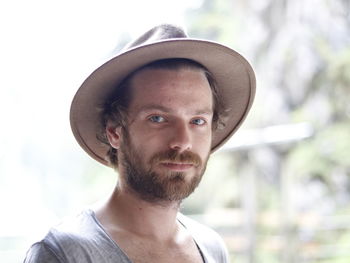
(48, 47)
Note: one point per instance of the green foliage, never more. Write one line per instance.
(324, 154)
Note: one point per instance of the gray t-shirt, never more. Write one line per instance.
(83, 239)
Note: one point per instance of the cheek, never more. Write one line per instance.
(143, 134)
(203, 144)
(146, 143)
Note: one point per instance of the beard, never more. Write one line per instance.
(163, 186)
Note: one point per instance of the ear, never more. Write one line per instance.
(113, 135)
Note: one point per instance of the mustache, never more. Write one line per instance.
(175, 156)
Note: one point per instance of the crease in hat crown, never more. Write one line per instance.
(232, 72)
(157, 33)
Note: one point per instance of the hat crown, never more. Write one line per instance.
(158, 33)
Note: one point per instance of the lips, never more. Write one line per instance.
(175, 161)
(176, 166)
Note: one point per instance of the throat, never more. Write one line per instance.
(128, 212)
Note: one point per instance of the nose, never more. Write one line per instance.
(181, 138)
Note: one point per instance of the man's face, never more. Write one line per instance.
(165, 146)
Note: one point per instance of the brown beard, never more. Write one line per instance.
(159, 187)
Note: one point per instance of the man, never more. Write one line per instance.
(154, 113)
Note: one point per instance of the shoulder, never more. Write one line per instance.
(72, 232)
(41, 252)
(209, 241)
(76, 239)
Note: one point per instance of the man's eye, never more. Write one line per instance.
(157, 118)
(198, 121)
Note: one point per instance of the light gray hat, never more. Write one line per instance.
(234, 76)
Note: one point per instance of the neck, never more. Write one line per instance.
(125, 211)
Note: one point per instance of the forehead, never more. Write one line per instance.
(183, 88)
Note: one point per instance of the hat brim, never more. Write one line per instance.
(233, 74)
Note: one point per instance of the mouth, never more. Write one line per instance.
(177, 166)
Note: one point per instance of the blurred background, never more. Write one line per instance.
(279, 191)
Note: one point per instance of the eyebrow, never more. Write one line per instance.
(150, 107)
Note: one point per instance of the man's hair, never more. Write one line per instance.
(115, 110)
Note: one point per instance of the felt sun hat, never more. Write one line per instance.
(232, 72)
